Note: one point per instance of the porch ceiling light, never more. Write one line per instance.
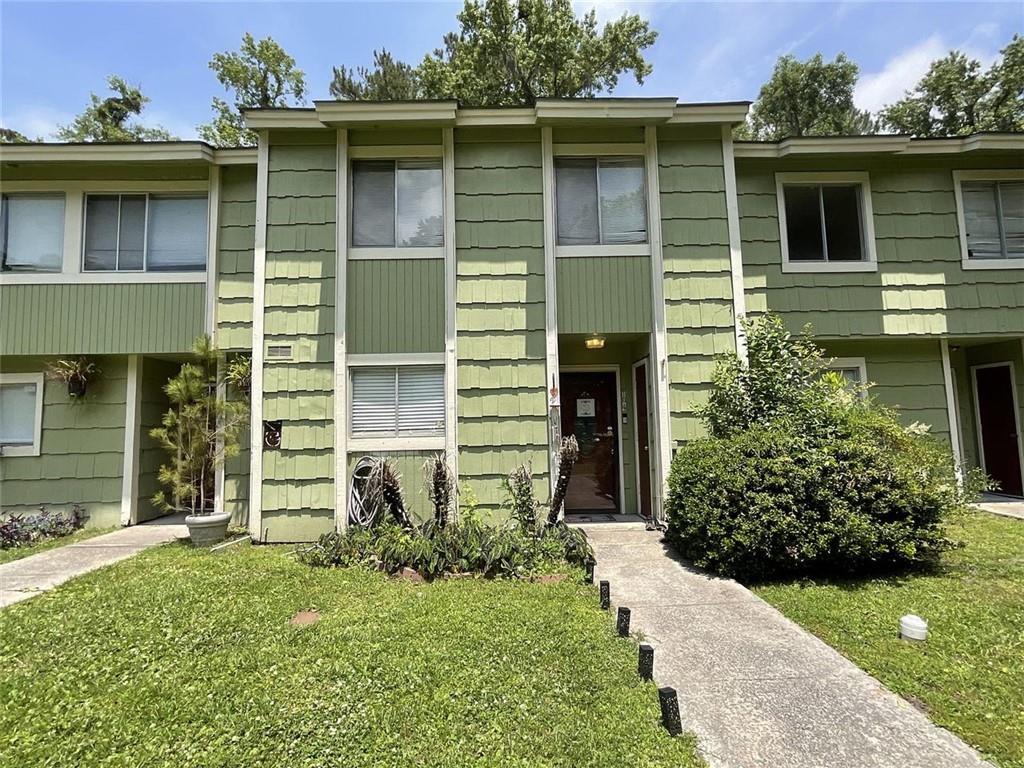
(594, 342)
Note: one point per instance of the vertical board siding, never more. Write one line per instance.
(235, 244)
(502, 403)
(410, 467)
(920, 287)
(606, 294)
(81, 457)
(154, 404)
(698, 283)
(101, 319)
(395, 306)
(298, 478)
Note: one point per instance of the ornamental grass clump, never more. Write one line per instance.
(804, 473)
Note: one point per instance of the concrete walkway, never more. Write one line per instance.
(31, 575)
(755, 688)
(1007, 506)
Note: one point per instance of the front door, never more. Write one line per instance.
(997, 416)
(590, 413)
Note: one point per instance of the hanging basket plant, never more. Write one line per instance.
(239, 374)
(75, 372)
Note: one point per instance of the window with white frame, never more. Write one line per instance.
(145, 233)
(397, 401)
(397, 204)
(32, 232)
(600, 201)
(824, 223)
(853, 370)
(21, 411)
(993, 219)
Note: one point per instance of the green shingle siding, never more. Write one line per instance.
(610, 294)
(236, 239)
(395, 306)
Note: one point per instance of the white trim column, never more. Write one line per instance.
(259, 270)
(132, 439)
(340, 353)
(952, 415)
(550, 303)
(212, 220)
(451, 444)
(659, 339)
(739, 299)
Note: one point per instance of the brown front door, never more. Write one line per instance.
(999, 439)
(643, 453)
(590, 413)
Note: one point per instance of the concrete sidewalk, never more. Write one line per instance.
(755, 688)
(1007, 506)
(31, 575)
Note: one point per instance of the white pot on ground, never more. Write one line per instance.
(206, 530)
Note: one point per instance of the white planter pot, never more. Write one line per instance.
(206, 530)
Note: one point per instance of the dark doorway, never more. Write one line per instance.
(590, 413)
(643, 453)
(997, 421)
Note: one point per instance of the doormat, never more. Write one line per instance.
(577, 517)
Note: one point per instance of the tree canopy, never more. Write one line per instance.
(511, 52)
(11, 136)
(807, 98)
(957, 97)
(110, 119)
(261, 75)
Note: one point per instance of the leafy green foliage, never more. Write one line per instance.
(967, 676)
(956, 97)
(198, 432)
(186, 659)
(110, 119)
(801, 475)
(261, 75)
(239, 373)
(521, 501)
(509, 53)
(807, 98)
(11, 136)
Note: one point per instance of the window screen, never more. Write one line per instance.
(176, 236)
(994, 219)
(600, 201)
(397, 402)
(824, 222)
(397, 203)
(32, 232)
(18, 414)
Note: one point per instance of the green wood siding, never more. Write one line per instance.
(698, 284)
(410, 467)
(394, 306)
(610, 294)
(298, 479)
(81, 457)
(502, 403)
(98, 319)
(236, 227)
(154, 404)
(920, 287)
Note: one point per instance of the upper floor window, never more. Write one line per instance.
(600, 201)
(397, 204)
(143, 232)
(21, 411)
(32, 232)
(993, 219)
(397, 401)
(825, 222)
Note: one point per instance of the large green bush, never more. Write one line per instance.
(803, 473)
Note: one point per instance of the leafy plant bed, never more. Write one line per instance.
(185, 658)
(19, 530)
(42, 545)
(968, 675)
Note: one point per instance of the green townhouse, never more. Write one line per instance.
(419, 277)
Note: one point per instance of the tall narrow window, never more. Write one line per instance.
(600, 201)
(406, 401)
(32, 232)
(397, 203)
(994, 219)
(824, 223)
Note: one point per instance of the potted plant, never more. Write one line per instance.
(75, 372)
(199, 431)
(239, 374)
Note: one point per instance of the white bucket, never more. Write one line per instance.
(913, 627)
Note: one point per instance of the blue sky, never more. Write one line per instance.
(53, 54)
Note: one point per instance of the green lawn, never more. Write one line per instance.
(969, 675)
(16, 553)
(186, 658)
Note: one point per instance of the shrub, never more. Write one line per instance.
(803, 474)
(21, 530)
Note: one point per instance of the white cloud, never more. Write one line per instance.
(900, 73)
(612, 10)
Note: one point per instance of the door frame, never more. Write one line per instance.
(1016, 412)
(645, 362)
(618, 416)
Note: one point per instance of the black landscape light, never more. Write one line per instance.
(645, 665)
(606, 595)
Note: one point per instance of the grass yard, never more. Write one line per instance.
(186, 658)
(969, 675)
(16, 553)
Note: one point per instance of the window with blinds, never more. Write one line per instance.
(994, 219)
(392, 401)
(397, 203)
(600, 200)
(32, 232)
(151, 233)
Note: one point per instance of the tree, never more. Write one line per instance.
(11, 136)
(807, 98)
(110, 119)
(511, 53)
(955, 97)
(261, 75)
(388, 80)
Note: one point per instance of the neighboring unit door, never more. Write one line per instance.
(997, 417)
(590, 413)
(643, 452)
